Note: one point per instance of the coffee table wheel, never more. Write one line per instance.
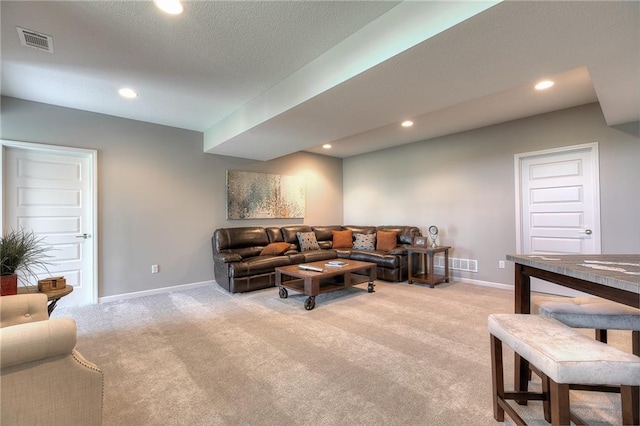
(310, 303)
(370, 288)
(283, 293)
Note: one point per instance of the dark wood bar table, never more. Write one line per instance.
(610, 276)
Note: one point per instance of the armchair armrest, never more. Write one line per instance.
(23, 343)
(23, 308)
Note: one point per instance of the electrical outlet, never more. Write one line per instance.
(501, 264)
(154, 269)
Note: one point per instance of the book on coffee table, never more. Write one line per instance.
(310, 268)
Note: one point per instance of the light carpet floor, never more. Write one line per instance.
(404, 355)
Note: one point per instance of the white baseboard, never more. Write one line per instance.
(136, 294)
(486, 283)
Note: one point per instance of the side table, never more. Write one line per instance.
(52, 295)
(425, 270)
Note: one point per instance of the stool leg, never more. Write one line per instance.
(560, 410)
(601, 335)
(635, 390)
(629, 396)
(546, 402)
(497, 373)
(522, 374)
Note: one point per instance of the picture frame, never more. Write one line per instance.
(252, 195)
(420, 241)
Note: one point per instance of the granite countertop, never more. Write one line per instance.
(620, 271)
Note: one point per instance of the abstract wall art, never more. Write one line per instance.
(253, 195)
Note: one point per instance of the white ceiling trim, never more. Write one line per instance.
(403, 27)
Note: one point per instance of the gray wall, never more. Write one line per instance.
(464, 184)
(159, 196)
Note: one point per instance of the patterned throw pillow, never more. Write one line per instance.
(365, 242)
(307, 241)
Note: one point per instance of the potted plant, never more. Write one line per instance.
(21, 252)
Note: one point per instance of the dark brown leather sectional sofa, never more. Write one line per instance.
(239, 266)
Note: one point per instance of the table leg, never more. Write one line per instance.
(372, 277)
(446, 265)
(430, 267)
(410, 265)
(52, 305)
(522, 306)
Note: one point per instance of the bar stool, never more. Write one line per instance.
(591, 312)
(563, 356)
(599, 314)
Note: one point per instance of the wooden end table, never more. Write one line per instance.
(425, 271)
(52, 295)
(329, 279)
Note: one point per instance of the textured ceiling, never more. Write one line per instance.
(264, 79)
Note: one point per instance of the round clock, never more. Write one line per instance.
(433, 234)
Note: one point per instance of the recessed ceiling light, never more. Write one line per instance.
(128, 93)
(544, 84)
(327, 146)
(172, 7)
(407, 123)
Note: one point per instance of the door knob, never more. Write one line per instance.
(586, 231)
(85, 236)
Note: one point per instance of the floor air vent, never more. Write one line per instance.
(36, 40)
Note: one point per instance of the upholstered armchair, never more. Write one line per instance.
(44, 380)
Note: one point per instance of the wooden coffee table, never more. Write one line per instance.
(331, 278)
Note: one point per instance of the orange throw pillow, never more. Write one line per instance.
(386, 240)
(342, 239)
(275, 249)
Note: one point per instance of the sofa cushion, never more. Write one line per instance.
(274, 234)
(317, 255)
(364, 242)
(325, 233)
(343, 239)
(361, 229)
(405, 233)
(289, 233)
(275, 249)
(235, 238)
(307, 241)
(381, 259)
(386, 240)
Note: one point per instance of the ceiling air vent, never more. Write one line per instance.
(36, 40)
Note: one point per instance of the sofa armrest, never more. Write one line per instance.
(227, 257)
(401, 250)
(23, 343)
(23, 308)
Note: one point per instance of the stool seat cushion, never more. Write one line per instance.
(564, 354)
(588, 312)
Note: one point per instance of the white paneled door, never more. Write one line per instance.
(51, 193)
(559, 202)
